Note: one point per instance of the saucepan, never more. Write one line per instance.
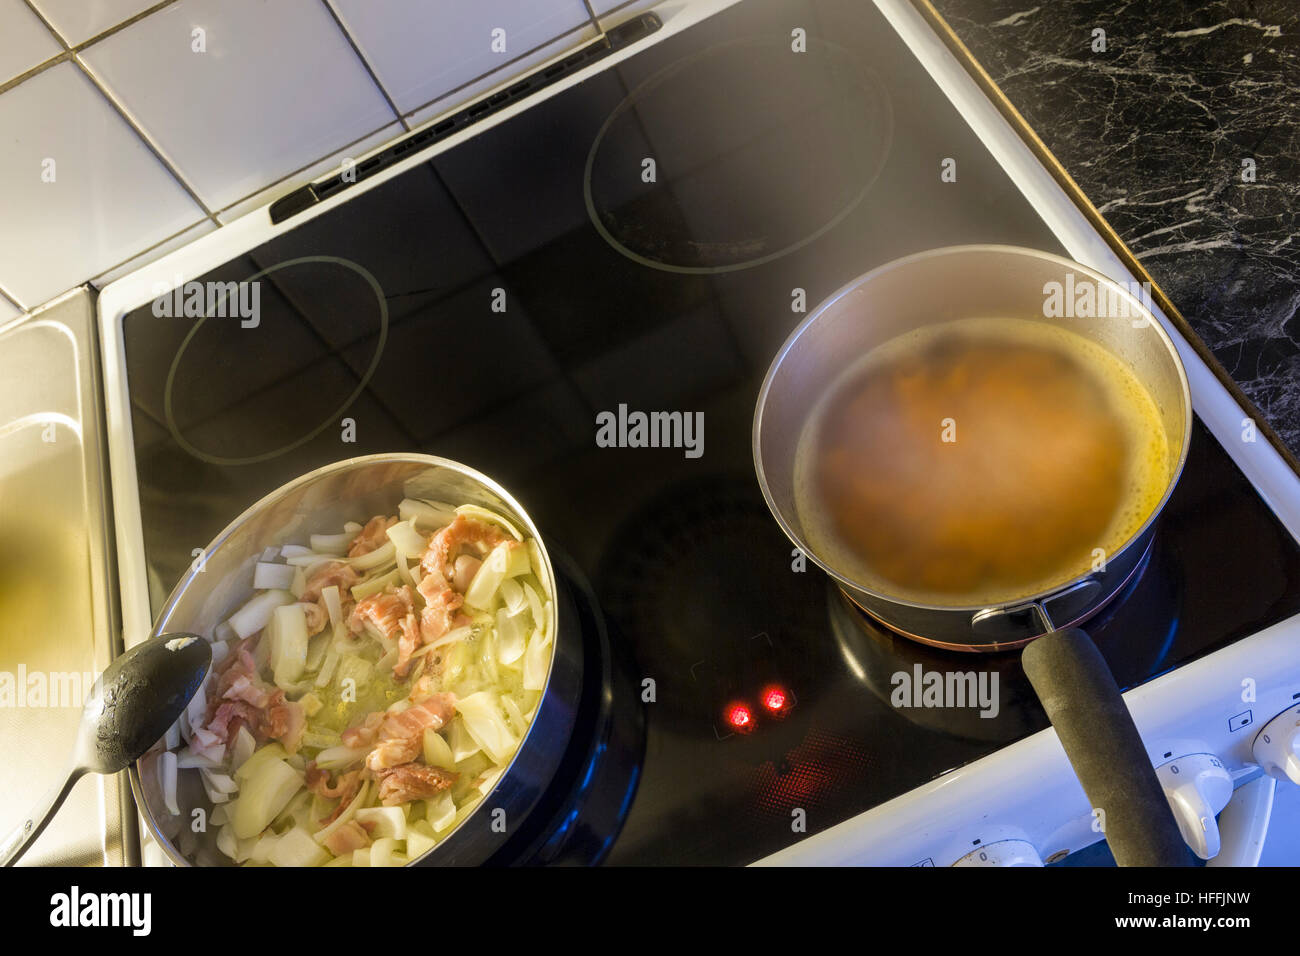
(320, 502)
(937, 300)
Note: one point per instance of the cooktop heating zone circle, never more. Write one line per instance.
(737, 155)
(331, 419)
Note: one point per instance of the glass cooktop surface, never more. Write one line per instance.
(644, 242)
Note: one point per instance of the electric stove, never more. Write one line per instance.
(636, 232)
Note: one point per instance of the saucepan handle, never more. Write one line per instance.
(1079, 693)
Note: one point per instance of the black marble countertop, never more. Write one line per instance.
(1156, 130)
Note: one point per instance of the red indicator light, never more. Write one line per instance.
(777, 701)
(740, 718)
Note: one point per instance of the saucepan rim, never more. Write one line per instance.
(945, 251)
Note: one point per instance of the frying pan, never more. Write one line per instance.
(353, 490)
(1068, 673)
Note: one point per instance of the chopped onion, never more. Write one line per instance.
(243, 747)
(511, 637)
(219, 651)
(167, 781)
(219, 781)
(227, 842)
(514, 713)
(264, 755)
(270, 553)
(441, 814)
(431, 514)
(298, 586)
(357, 803)
(408, 542)
(383, 821)
(215, 794)
(420, 839)
(187, 759)
(333, 607)
(483, 514)
(461, 743)
(331, 543)
(294, 550)
(484, 722)
(336, 758)
(513, 595)
(437, 752)
(534, 604)
(297, 848)
(537, 661)
(197, 709)
(352, 527)
(404, 572)
(374, 585)
(310, 558)
(311, 738)
(455, 634)
(489, 781)
(382, 852)
(318, 646)
(384, 554)
(288, 644)
(327, 666)
(268, 576)
(264, 794)
(482, 589)
(255, 614)
(262, 847)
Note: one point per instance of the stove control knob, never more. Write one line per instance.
(1277, 746)
(1003, 853)
(1198, 787)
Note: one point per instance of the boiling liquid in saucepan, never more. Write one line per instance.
(973, 462)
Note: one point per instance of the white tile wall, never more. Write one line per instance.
(109, 196)
(24, 41)
(421, 51)
(174, 143)
(79, 20)
(277, 87)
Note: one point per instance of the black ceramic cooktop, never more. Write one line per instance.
(644, 242)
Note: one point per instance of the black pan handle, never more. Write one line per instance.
(1079, 693)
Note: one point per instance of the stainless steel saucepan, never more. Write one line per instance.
(1072, 680)
(323, 500)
